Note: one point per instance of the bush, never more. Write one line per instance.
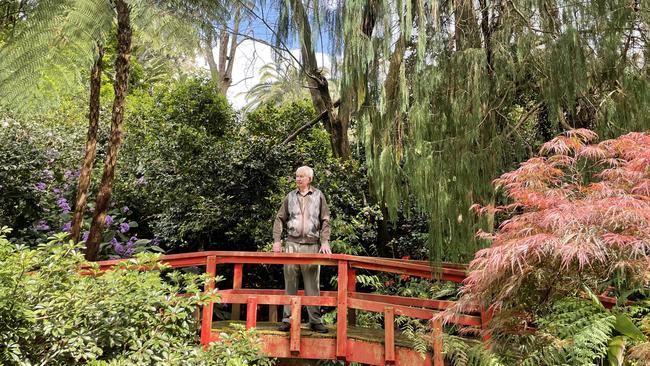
(578, 225)
(52, 314)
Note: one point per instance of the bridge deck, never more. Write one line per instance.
(366, 345)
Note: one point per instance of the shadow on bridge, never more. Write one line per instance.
(345, 341)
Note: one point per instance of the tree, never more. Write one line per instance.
(122, 64)
(336, 123)
(281, 82)
(85, 173)
(448, 94)
(86, 22)
(577, 225)
(227, 41)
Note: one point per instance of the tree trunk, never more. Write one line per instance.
(91, 146)
(221, 69)
(466, 28)
(209, 55)
(122, 68)
(336, 126)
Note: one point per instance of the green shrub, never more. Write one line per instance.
(50, 313)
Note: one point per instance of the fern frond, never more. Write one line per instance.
(55, 41)
(464, 352)
(576, 332)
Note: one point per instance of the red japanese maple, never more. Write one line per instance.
(579, 217)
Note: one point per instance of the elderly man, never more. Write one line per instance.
(306, 216)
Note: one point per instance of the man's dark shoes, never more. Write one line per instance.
(284, 327)
(320, 328)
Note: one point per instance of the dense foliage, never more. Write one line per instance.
(450, 94)
(52, 313)
(577, 226)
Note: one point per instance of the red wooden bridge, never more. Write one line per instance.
(345, 342)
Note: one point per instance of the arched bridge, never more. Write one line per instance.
(345, 341)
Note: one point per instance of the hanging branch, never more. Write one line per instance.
(309, 124)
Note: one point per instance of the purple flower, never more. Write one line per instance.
(84, 237)
(48, 174)
(76, 173)
(56, 191)
(42, 226)
(125, 209)
(108, 220)
(67, 226)
(124, 227)
(117, 246)
(67, 174)
(155, 242)
(141, 181)
(124, 250)
(40, 186)
(63, 205)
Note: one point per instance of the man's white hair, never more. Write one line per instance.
(306, 170)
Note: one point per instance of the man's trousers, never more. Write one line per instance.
(310, 278)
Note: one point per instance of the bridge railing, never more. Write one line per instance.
(346, 298)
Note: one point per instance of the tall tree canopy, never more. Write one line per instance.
(450, 93)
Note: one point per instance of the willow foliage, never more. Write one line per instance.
(452, 93)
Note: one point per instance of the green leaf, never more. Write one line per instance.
(593, 297)
(625, 326)
(616, 351)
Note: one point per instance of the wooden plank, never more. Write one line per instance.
(238, 275)
(352, 288)
(426, 314)
(274, 345)
(416, 270)
(230, 298)
(389, 335)
(438, 356)
(450, 272)
(206, 318)
(251, 313)
(342, 311)
(294, 343)
(410, 301)
(257, 291)
(279, 260)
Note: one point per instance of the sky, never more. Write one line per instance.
(251, 56)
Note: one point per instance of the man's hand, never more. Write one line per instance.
(277, 247)
(325, 249)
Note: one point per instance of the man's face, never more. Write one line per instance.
(302, 180)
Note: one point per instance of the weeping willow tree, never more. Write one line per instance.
(451, 93)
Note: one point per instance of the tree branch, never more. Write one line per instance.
(309, 124)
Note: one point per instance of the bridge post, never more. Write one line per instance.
(251, 312)
(352, 287)
(294, 341)
(438, 357)
(342, 314)
(389, 335)
(486, 317)
(236, 285)
(206, 317)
